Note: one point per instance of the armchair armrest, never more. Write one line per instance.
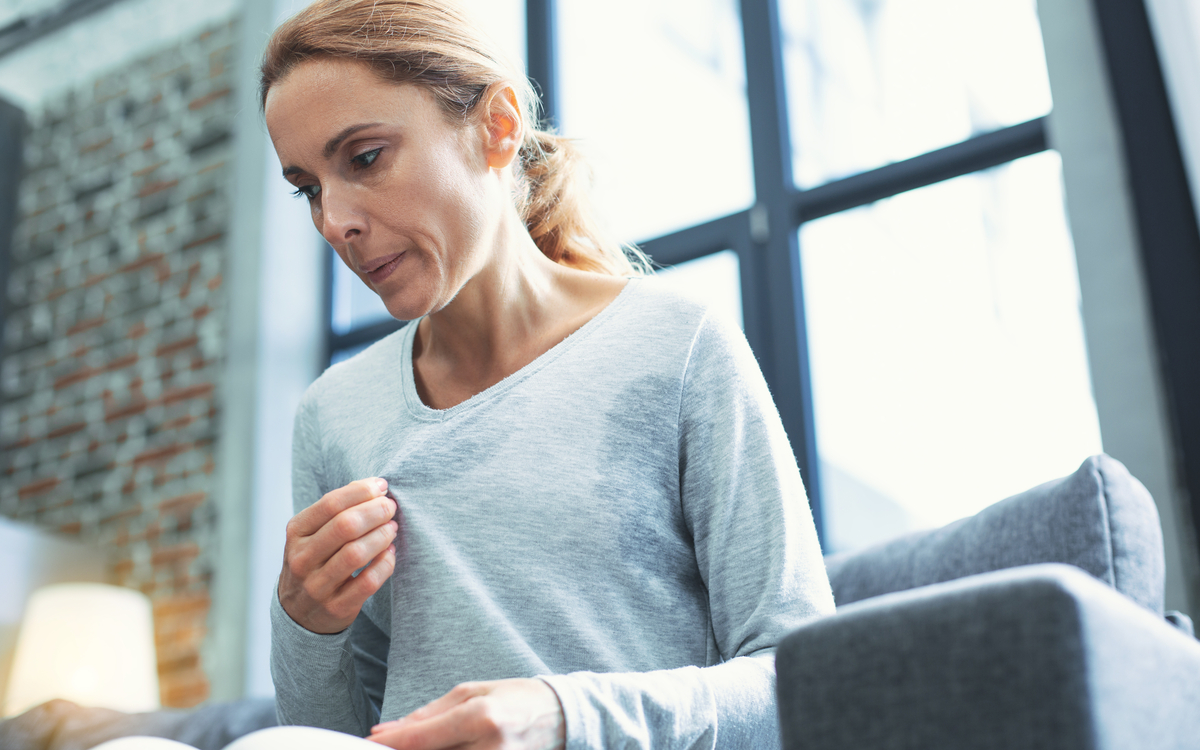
(1041, 656)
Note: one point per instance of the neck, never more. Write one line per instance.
(505, 310)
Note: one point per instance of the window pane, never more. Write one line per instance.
(948, 361)
(871, 82)
(504, 22)
(655, 90)
(714, 280)
(354, 304)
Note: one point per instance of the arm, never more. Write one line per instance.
(1036, 656)
(757, 551)
(334, 681)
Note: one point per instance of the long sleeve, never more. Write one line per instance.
(758, 557)
(331, 681)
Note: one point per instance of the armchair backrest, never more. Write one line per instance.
(1100, 519)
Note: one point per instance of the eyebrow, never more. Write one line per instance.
(334, 143)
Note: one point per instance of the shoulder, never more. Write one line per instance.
(658, 312)
(658, 323)
(711, 333)
(361, 373)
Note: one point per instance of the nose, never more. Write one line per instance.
(341, 221)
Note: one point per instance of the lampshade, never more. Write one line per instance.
(88, 643)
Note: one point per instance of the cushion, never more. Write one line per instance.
(1099, 519)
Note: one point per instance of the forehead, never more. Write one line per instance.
(320, 97)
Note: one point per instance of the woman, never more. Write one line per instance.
(559, 509)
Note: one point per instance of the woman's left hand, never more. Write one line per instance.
(503, 714)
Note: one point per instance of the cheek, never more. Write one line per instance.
(461, 196)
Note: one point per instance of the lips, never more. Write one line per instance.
(380, 268)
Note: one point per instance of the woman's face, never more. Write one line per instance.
(404, 196)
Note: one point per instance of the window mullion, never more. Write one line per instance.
(541, 35)
(772, 257)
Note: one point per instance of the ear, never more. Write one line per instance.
(504, 125)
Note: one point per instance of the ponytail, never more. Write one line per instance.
(554, 202)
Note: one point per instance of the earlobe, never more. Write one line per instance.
(505, 128)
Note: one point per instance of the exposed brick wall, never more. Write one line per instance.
(114, 337)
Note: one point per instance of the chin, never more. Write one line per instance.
(407, 306)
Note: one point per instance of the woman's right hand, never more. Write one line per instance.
(326, 542)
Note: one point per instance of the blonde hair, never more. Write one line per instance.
(433, 44)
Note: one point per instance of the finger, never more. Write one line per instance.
(357, 590)
(356, 553)
(334, 568)
(313, 518)
(354, 523)
(457, 696)
(458, 726)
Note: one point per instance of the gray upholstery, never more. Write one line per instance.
(1099, 519)
(1031, 658)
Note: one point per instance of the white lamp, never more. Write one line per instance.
(88, 643)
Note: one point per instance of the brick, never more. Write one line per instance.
(132, 511)
(157, 187)
(136, 406)
(177, 424)
(78, 376)
(145, 260)
(92, 147)
(151, 168)
(174, 347)
(184, 693)
(163, 453)
(182, 504)
(40, 487)
(65, 430)
(186, 605)
(186, 661)
(86, 325)
(175, 395)
(120, 363)
(203, 240)
(207, 99)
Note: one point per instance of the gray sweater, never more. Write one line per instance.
(623, 518)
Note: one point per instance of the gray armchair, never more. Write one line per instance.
(1037, 623)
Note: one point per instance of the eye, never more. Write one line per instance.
(366, 158)
(307, 191)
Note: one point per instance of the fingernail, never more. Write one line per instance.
(381, 485)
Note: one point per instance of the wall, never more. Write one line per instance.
(1122, 351)
(116, 329)
(1176, 25)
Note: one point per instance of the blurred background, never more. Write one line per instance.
(961, 238)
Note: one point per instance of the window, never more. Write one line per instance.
(865, 186)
